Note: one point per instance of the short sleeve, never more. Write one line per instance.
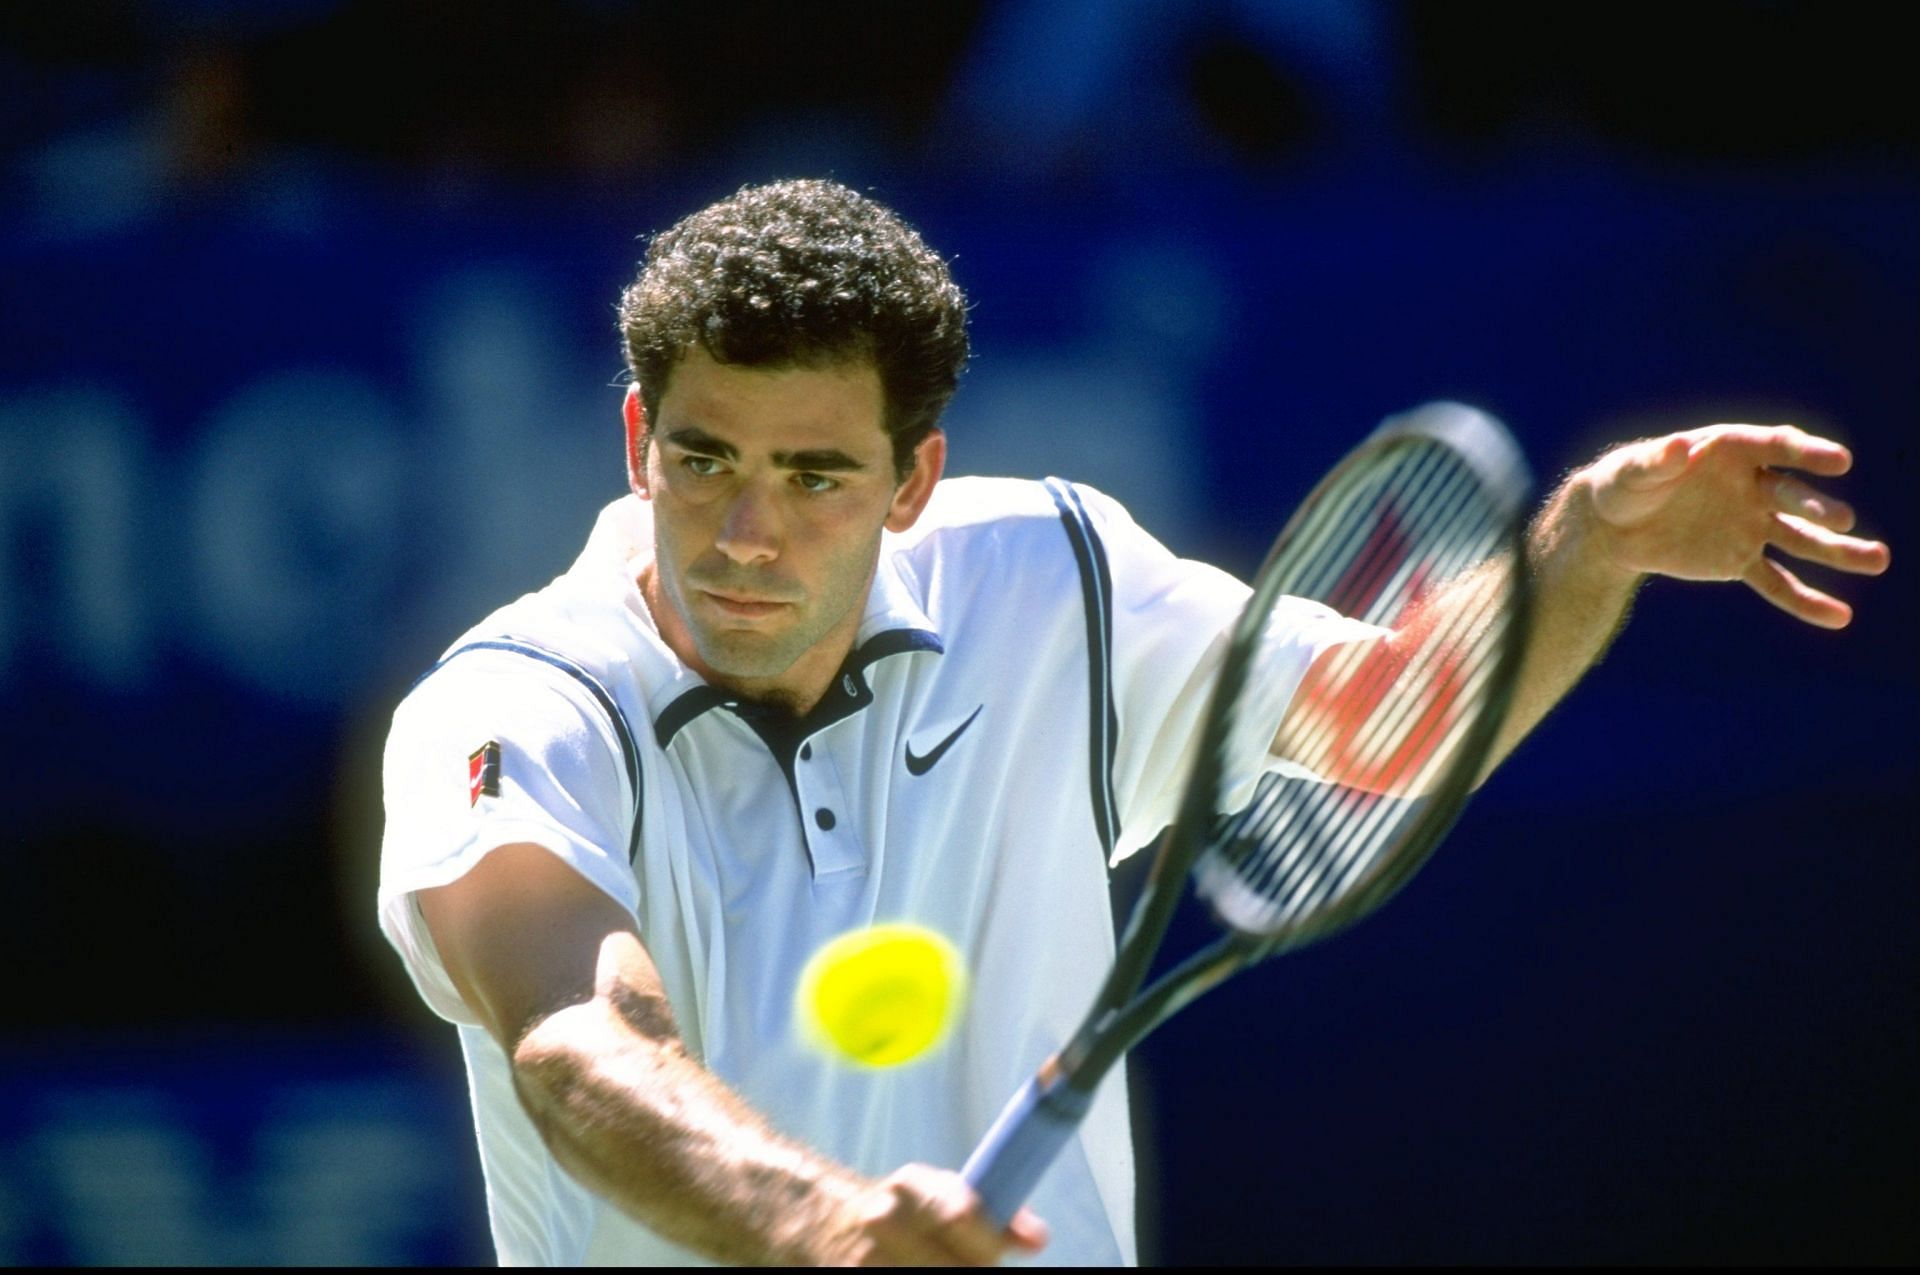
(493, 749)
(1171, 620)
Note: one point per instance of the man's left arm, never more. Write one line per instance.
(1706, 504)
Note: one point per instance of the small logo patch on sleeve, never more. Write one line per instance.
(483, 772)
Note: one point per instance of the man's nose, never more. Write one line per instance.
(750, 532)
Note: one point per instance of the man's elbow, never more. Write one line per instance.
(584, 1044)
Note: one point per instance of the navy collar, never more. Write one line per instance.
(849, 693)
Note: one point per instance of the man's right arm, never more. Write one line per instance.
(559, 976)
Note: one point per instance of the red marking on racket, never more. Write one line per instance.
(1344, 703)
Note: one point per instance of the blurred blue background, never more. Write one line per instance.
(307, 360)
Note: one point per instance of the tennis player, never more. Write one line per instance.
(797, 683)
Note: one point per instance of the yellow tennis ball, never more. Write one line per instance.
(881, 996)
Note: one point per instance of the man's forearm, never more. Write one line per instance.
(638, 1121)
(1581, 600)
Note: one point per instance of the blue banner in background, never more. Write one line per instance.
(217, 1149)
(280, 457)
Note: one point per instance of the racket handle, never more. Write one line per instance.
(1009, 1162)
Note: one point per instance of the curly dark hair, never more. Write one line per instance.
(806, 274)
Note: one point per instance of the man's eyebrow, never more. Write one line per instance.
(694, 439)
(820, 460)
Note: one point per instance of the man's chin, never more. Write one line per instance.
(747, 655)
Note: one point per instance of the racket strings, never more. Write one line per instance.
(1388, 723)
(1302, 856)
(1361, 733)
(1301, 849)
(1301, 845)
(1385, 513)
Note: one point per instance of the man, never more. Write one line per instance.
(796, 684)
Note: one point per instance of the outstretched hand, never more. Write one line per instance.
(1707, 504)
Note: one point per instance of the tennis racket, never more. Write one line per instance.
(1417, 531)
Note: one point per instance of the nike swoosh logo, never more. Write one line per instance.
(920, 765)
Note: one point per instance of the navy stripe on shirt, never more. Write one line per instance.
(1096, 588)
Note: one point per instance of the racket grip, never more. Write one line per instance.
(1032, 1128)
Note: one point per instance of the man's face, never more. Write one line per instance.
(770, 488)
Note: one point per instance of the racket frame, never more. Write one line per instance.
(1043, 1115)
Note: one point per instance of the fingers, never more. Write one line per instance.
(922, 1216)
(1791, 496)
(1814, 543)
(1790, 447)
(941, 1220)
(1027, 1232)
(1794, 596)
(1779, 446)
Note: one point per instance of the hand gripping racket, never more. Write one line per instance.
(1416, 531)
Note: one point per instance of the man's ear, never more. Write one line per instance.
(636, 415)
(911, 497)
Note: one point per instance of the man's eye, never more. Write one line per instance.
(701, 466)
(815, 482)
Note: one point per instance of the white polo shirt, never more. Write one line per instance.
(1017, 712)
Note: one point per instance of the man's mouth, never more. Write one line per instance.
(746, 606)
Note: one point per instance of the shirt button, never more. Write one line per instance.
(847, 683)
(806, 752)
(824, 818)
